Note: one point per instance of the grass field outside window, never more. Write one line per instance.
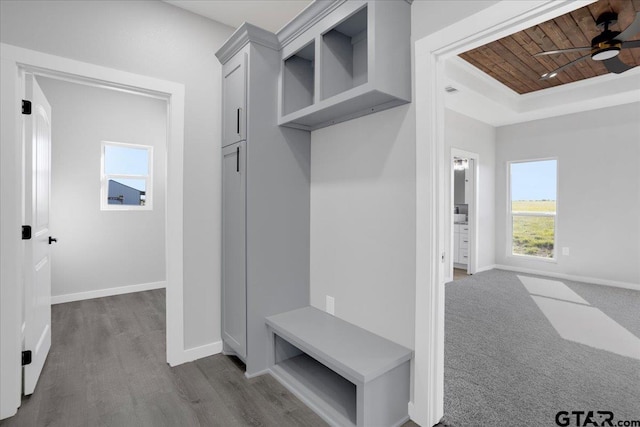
(533, 186)
(534, 227)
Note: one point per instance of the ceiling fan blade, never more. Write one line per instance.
(614, 65)
(552, 74)
(573, 49)
(631, 30)
(631, 44)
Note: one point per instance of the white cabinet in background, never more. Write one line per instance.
(461, 244)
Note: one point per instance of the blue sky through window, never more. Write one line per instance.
(534, 180)
(125, 160)
(122, 160)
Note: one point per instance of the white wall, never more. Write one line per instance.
(363, 221)
(98, 250)
(430, 16)
(468, 134)
(156, 39)
(363, 248)
(598, 215)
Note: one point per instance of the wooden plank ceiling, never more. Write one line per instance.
(510, 60)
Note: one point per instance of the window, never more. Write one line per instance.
(126, 176)
(533, 187)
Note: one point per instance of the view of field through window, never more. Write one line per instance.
(533, 207)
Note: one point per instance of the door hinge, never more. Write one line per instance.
(26, 232)
(26, 357)
(443, 255)
(26, 107)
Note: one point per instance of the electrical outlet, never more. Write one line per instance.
(565, 251)
(330, 305)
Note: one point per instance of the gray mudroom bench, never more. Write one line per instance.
(347, 375)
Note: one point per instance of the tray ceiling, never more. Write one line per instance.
(510, 60)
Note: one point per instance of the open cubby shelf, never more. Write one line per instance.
(337, 394)
(354, 61)
(344, 55)
(299, 79)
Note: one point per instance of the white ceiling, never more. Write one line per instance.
(268, 14)
(485, 99)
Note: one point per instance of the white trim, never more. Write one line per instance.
(99, 293)
(14, 61)
(486, 268)
(584, 279)
(492, 23)
(104, 178)
(257, 374)
(191, 354)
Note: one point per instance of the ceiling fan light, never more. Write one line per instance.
(552, 75)
(606, 53)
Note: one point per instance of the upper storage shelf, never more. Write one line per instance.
(346, 60)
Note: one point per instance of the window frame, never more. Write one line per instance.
(510, 213)
(104, 179)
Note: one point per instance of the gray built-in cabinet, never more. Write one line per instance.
(265, 198)
(234, 100)
(234, 257)
(335, 61)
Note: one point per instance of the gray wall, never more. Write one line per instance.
(363, 204)
(102, 249)
(468, 134)
(598, 210)
(156, 39)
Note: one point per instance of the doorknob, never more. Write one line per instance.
(52, 239)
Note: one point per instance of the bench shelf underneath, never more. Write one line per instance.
(348, 376)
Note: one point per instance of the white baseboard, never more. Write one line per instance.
(591, 280)
(486, 268)
(257, 374)
(59, 299)
(191, 354)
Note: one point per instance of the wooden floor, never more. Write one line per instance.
(459, 273)
(107, 367)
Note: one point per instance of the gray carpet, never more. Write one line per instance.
(505, 364)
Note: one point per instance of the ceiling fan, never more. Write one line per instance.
(605, 47)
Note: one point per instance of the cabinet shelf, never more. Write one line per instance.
(317, 383)
(298, 79)
(361, 63)
(344, 55)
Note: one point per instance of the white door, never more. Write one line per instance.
(37, 285)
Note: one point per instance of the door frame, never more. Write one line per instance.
(474, 225)
(15, 62)
(497, 21)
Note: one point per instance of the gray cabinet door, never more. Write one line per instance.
(234, 283)
(234, 100)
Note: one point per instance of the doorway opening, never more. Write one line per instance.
(463, 196)
(17, 64)
(96, 252)
(432, 212)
